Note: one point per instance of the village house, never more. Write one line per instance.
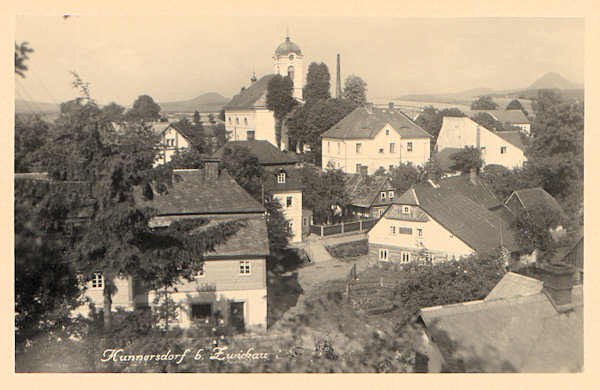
(522, 325)
(283, 182)
(497, 147)
(230, 288)
(374, 138)
(432, 222)
(370, 196)
(172, 140)
(247, 116)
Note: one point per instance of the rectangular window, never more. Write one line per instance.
(392, 229)
(201, 272)
(406, 209)
(420, 232)
(380, 150)
(357, 168)
(245, 267)
(409, 146)
(383, 255)
(290, 227)
(502, 149)
(387, 132)
(305, 220)
(339, 148)
(358, 146)
(288, 201)
(405, 257)
(391, 195)
(328, 146)
(201, 311)
(281, 177)
(404, 230)
(392, 148)
(98, 280)
(383, 195)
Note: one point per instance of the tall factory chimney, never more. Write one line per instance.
(338, 80)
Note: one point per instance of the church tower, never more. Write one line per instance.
(288, 62)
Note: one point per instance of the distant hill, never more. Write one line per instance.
(25, 107)
(208, 102)
(553, 80)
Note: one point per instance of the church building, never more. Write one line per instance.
(247, 116)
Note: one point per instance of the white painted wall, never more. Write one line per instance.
(259, 119)
(435, 237)
(170, 142)
(461, 132)
(294, 213)
(375, 152)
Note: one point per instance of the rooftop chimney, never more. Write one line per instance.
(558, 280)
(338, 80)
(473, 176)
(211, 169)
(391, 106)
(369, 108)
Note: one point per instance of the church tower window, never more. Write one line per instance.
(291, 72)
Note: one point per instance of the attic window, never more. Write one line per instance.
(281, 177)
(246, 121)
(383, 195)
(406, 209)
(237, 121)
(391, 195)
(387, 132)
(502, 149)
(380, 150)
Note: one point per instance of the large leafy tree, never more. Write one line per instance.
(317, 83)
(313, 119)
(144, 109)
(556, 150)
(515, 104)
(31, 133)
(466, 159)
(504, 181)
(245, 169)
(113, 112)
(355, 90)
(484, 103)
(324, 193)
(405, 176)
(430, 119)
(280, 100)
(533, 229)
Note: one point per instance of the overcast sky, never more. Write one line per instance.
(180, 57)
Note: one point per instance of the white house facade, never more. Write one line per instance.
(374, 138)
(171, 141)
(502, 148)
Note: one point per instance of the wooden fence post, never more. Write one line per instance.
(321, 230)
(342, 227)
(360, 225)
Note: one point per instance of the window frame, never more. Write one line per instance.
(384, 252)
(244, 268)
(201, 271)
(409, 146)
(281, 177)
(392, 147)
(383, 195)
(405, 209)
(288, 201)
(97, 281)
(358, 147)
(419, 232)
(403, 255)
(503, 150)
(392, 229)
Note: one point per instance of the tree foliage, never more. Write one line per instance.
(324, 193)
(484, 103)
(515, 104)
(196, 117)
(504, 181)
(114, 112)
(355, 90)
(317, 83)
(405, 176)
(21, 55)
(280, 100)
(533, 229)
(466, 159)
(430, 119)
(31, 133)
(144, 109)
(451, 281)
(245, 169)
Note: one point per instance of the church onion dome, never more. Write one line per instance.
(288, 47)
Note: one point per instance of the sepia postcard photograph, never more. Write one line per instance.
(247, 193)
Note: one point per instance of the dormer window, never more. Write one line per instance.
(281, 177)
(383, 194)
(391, 195)
(406, 209)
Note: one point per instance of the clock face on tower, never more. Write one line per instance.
(291, 57)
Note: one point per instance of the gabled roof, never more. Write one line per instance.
(250, 240)
(533, 197)
(468, 210)
(192, 194)
(253, 96)
(292, 180)
(512, 137)
(509, 116)
(359, 124)
(364, 189)
(517, 330)
(267, 153)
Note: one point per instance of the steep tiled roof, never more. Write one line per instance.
(532, 197)
(514, 285)
(292, 180)
(360, 124)
(415, 214)
(519, 331)
(253, 96)
(191, 193)
(364, 189)
(470, 211)
(267, 153)
(510, 116)
(512, 137)
(250, 240)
